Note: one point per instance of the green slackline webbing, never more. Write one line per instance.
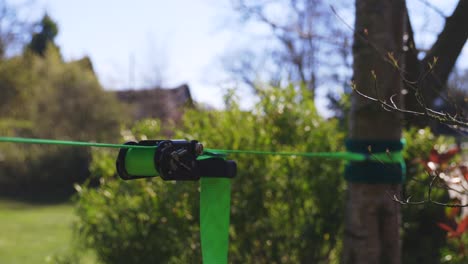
(69, 143)
(215, 193)
(391, 157)
(384, 157)
(215, 202)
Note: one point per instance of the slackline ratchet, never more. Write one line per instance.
(183, 160)
(177, 160)
(186, 161)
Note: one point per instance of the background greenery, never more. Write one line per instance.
(284, 209)
(45, 97)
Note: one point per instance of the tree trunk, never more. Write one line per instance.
(372, 218)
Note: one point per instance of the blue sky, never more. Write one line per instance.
(180, 40)
(183, 38)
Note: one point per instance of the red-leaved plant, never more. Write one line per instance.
(455, 176)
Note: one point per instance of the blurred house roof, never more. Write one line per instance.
(164, 104)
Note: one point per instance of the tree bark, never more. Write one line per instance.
(372, 218)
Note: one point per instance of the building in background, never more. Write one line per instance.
(163, 104)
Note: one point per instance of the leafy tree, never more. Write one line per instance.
(47, 31)
(49, 98)
(70, 99)
(15, 88)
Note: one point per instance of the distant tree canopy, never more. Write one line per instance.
(52, 93)
(46, 34)
(46, 97)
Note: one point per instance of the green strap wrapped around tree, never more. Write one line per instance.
(384, 165)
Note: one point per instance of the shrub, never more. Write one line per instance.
(284, 209)
(422, 239)
(48, 98)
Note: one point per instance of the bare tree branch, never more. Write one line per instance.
(445, 51)
(434, 180)
(298, 38)
(429, 113)
(433, 7)
(424, 78)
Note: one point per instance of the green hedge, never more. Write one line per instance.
(284, 209)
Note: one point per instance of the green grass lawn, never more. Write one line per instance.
(36, 233)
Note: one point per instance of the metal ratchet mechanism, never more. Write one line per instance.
(172, 160)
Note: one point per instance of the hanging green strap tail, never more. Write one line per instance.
(215, 206)
(215, 202)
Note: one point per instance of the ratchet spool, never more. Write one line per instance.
(179, 160)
